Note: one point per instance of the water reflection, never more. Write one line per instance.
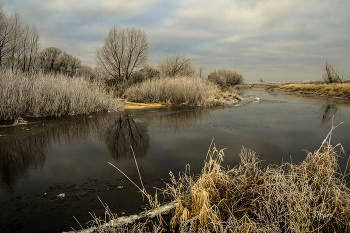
(185, 117)
(19, 155)
(122, 132)
(328, 111)
(25, 147)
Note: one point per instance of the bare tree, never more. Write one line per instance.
(6, 29)
(330, 74)
(18, 42)
(32, 49)
(67, 64)
(25, 50)
(100, 73)
(200, 69)
(226, 77)
(123, 51)
(29, 47)
(86, 71)
(177, 65)
(47, 59)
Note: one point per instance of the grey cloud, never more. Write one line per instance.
(269, 38)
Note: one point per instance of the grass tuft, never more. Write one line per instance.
(306, 197)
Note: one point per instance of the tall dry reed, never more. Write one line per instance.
(50, 95)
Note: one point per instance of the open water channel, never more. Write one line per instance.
(46, 158)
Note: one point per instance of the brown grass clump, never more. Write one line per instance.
(306, 197)
(51, 95)
(335, 89)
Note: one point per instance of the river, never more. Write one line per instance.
(46, 158)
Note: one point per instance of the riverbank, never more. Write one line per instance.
(217, 98)
(316, 88)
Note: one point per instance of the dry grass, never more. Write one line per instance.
(306, 197)
(335, 89)
(173, 91)
(180, 91)
(219, 98)
(111, 224)
(49, 95)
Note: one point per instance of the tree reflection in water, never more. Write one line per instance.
(328, 111)
(19, 155)
(25, 147)
(26, 150)
(123, 132)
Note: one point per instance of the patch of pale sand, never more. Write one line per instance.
(132, 105)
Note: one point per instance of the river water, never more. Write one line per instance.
(46, 158)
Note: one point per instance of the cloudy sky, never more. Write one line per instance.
(277, 40)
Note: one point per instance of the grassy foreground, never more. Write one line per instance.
(179, 91)
(50, 95)
(335, 89)
(307, 197)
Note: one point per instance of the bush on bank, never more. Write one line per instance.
(225, 77)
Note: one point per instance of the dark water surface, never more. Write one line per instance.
(69, 155)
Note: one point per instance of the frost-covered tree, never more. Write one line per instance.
(19, 42)
(67, 64)
(48, 58)
(123, 52)
(176, 65)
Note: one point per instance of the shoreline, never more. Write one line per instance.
(335, 90)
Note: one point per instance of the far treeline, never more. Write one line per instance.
(121, 71)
